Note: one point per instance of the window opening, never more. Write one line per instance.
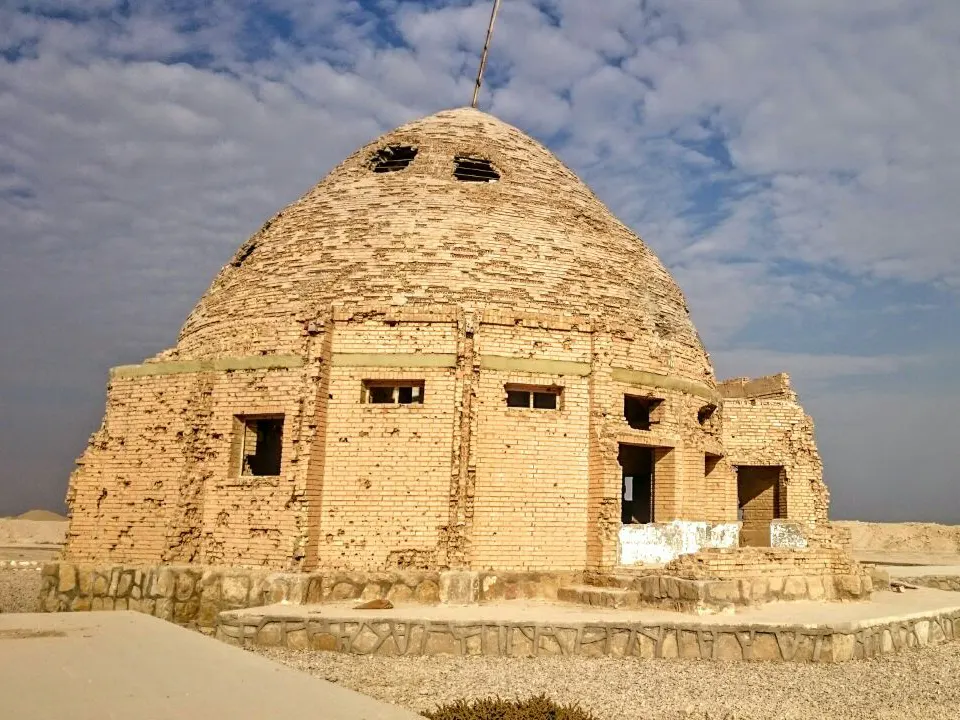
(705, 415)
(468, 169)
(261, 443)
(710, 463)
(393, 392)
(641, 412)
(393, 158)
(537, 398)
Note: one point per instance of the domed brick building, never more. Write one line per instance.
(449, 354)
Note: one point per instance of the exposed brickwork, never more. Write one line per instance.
(764, 425)
(770, 562)
(465, 288)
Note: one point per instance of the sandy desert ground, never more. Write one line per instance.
(35, 536)
(913, 684)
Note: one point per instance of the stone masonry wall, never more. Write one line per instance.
(194, 594)
(666, 640)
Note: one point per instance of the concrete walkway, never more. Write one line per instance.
(101, 666)
(899, 571)
(840, 616)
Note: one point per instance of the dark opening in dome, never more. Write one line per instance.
(470, 169)
(393, 158)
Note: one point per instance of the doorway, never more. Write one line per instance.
(758, 503)
(636, 489)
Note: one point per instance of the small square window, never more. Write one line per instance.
(393, 392)
(536, 397)
(260, 445)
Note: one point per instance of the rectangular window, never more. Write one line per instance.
(260, 444)
(537, 397)
(393, 392)
(641, 412)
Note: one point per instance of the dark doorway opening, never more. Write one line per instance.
(636, 489)
(758, 502)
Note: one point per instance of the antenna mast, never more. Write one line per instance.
(486, 49)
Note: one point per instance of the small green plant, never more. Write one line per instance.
(535, 708)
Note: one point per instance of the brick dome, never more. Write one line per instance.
(535, 239)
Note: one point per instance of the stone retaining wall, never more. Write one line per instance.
(664, 640)
(938, 582)
(193, 595)
(706, 596)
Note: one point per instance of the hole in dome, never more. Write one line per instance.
(393, 158)
(243, 254)
(468, 169)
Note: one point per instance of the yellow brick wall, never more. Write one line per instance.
(777, 432)
(770, 562)
(124, 491)
(158, 482)
(385, 501)
(459, 481)
(250, 520)
(531, 465)
(531, 477)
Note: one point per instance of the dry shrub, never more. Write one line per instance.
(535, 708)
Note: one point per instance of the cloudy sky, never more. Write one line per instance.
(794, 162)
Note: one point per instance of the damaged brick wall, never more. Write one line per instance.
(387, 469)
(158, 481)
(123, 494)
(465, 287)
(772, 562)
(764, 425)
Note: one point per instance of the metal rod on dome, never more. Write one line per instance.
(486, 49)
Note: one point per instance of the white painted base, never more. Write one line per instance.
(659, 543)
(786, 534)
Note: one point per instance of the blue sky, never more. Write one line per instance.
(793, 162)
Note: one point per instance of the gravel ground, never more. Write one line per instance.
(19, 590)
(914, 684)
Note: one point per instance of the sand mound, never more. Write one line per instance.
(903, 537)
(44, 515)
(15, 532)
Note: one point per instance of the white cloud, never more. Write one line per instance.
(763, 149)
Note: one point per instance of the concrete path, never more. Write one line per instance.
(898, 571)
(841, 616)
(905, 558)
(101, 666)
